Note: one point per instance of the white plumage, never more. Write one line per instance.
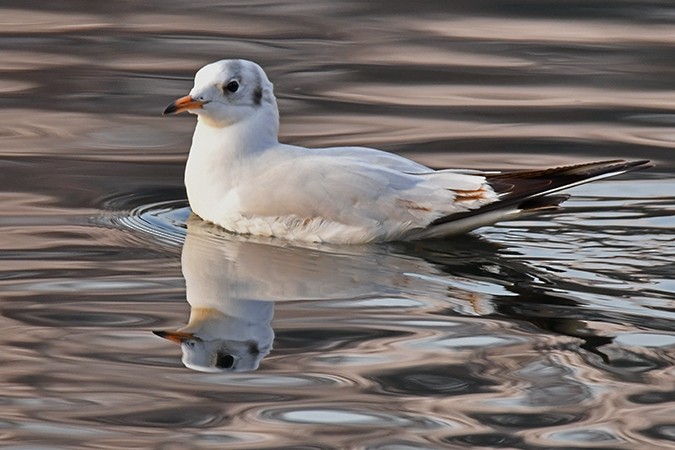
(241, 178)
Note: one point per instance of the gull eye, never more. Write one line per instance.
(232, 86)
(224, 361)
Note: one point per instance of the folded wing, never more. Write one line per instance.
(525, 192)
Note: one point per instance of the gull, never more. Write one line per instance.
(241, 178)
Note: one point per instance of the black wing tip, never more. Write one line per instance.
(639, 164)
(543, 203)
(622, 163)
(615, 165)
(619, 167)
(583, 169)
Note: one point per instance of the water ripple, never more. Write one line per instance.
(437, 380)
(345, 417)
(197, 416)
(161, 220)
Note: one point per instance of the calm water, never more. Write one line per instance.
(538, 334)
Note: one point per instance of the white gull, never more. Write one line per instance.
(239, 176)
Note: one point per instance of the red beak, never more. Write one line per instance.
(183, 104)
(175, 336)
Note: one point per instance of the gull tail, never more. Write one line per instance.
(524, 193)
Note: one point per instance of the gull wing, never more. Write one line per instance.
(525, 192)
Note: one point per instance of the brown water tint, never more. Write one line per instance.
(539, 334)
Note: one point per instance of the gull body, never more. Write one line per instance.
(239, 176)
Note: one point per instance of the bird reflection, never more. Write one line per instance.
(227, 330)
(232, 283)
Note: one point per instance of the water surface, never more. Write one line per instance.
(549, 333)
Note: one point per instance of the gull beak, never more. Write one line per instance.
(183, 104)
(175, 336)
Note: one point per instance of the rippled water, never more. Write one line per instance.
(550, 333)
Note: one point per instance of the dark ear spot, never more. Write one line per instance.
(257, 95)
(224, 361)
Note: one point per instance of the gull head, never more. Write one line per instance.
(216, 355)
(227, 92)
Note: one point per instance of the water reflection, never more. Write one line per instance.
(228, 329)
(232, 283)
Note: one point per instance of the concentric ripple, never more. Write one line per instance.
(146, 215)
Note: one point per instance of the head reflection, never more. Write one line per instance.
(214, 341)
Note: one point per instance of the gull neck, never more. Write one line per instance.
(252, 134)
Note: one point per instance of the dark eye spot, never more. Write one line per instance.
(232, 86)
(257, 95)
(224, 361)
